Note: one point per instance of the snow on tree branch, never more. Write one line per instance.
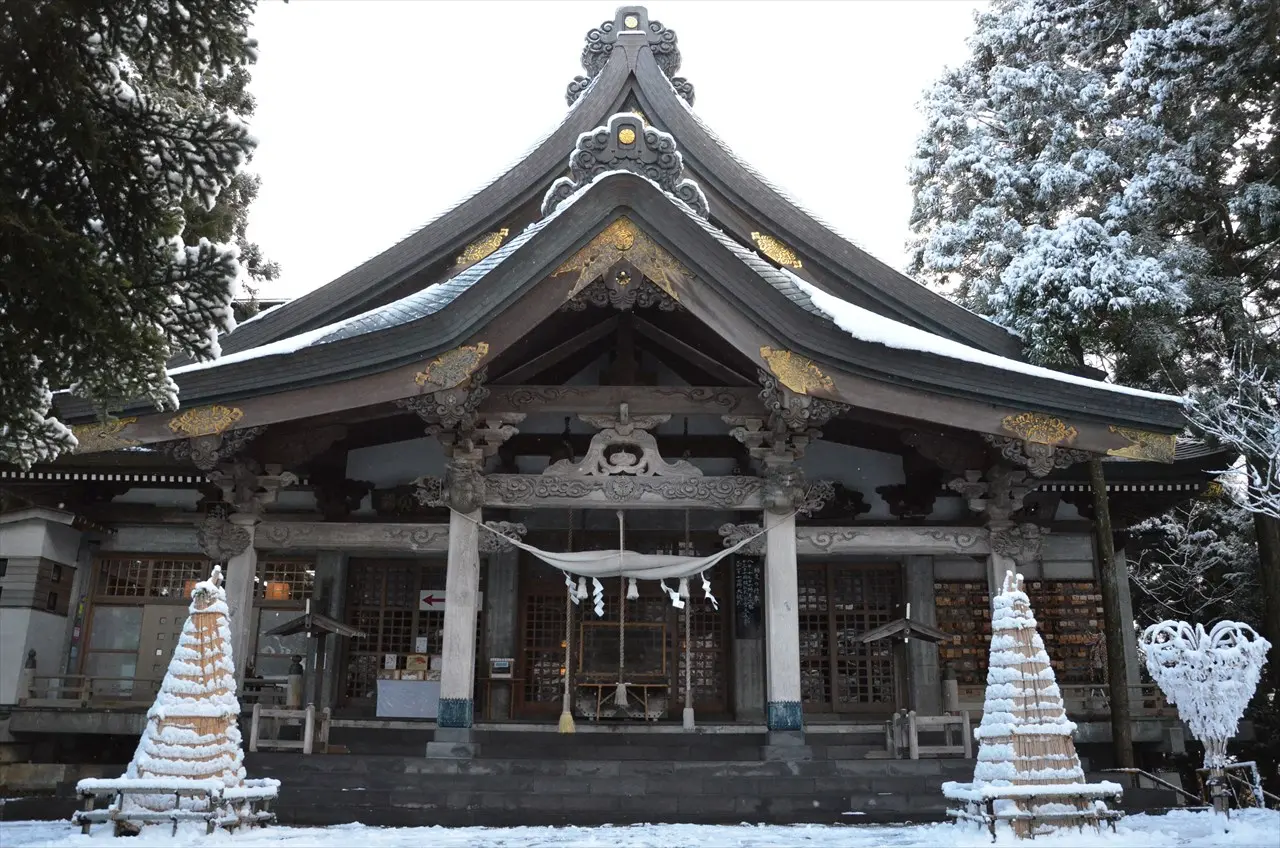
(1243, 411)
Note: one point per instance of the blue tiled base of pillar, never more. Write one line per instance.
(784, 715)
(454, 712)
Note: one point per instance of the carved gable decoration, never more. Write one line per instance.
(626, 144)
(623, 447)
(623, 292)
(602, 40)
(623, 245)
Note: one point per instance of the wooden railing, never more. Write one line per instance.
(1089, 701)
(265, 726)
(84, 690)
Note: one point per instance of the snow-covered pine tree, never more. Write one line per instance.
(119, 125)
(1104, 179)
(192, 730)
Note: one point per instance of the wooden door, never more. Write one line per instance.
(161, 630)
(838, 602)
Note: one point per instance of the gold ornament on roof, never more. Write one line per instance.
(102, 436)
(776, 250)
(205, 421)
(1040, 429)
(1157, 447)
(796, 372)
(452, 367)
(623, 240)
(481, 247)
(626, 135)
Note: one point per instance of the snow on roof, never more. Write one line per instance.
(867, 326)
(411, 307)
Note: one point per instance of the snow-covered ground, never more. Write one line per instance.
(1247, 829)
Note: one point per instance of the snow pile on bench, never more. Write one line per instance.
(1025, 747)
(190, 755)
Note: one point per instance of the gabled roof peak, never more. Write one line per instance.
(630, 24)
(626, 144)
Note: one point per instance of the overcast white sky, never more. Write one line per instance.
(375, 115)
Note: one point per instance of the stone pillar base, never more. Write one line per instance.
(785, 716)
(786, 745)
(452, 743)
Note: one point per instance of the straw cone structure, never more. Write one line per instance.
(192, 731)
(1025, 737)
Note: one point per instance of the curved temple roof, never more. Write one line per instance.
(879, 335)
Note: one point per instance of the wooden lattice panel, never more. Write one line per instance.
(382, 600)
(815, 636)
(862, 600)
(964, 610)
(543, 647)
(709, 669)
(297, 575)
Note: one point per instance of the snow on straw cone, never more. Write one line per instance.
(1025, 736)
(192, 730)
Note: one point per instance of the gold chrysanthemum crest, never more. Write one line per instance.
(452, 367)
(205, 420)
(797, 373)
(1040, 429)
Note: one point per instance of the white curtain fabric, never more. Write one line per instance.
(624, 563)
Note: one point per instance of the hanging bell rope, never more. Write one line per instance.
(566, 708)
(620, 694)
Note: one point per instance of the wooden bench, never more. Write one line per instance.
(266, 722)
(228, 807)
(981, 804)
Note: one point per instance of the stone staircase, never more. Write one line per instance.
(536, 778)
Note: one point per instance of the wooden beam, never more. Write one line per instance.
(561, 352)
(706, 363)
(641, 400)
(824, 541)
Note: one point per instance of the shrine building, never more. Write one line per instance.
(630, 339)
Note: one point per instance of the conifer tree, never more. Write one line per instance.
(1103, 178)
(121, 201)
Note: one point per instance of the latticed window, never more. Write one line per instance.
(155, 577)
(837, 604)
(285, 580)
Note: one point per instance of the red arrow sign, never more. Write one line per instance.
(427, 601)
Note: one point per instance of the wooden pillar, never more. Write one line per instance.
(1112, 572)
(242, 571)
(501, 605)
(782, 624)
(461, 591)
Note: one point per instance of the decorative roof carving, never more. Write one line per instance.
(623, 447)
(452, 367)
(1037, 458)
(103, 435)
(626, 144)
(776, 250)
(205, 421)
(602, 39)
(1158, 447)
(736, 533)
(498, 540)
(205, 452)
(623, 242)
(220, 540)
(622, 292)
(1039, 428)
(796, 372)
(481, 247)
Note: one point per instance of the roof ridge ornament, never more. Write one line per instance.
(626, 144)
(602, 39)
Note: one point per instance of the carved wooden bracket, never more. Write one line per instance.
(735, 533)
(999, 495)
(452, 417)
(1023, 543)
(249, 487)
(205, 452)
(623, 447)
(1037, 458)
(491, 543)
